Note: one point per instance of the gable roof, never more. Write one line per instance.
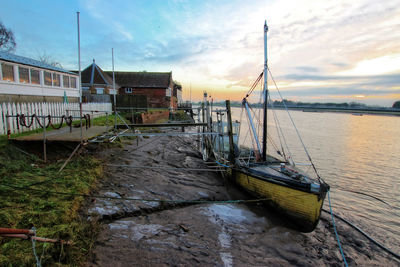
(142, 79)
(93, 74)
(30, 62)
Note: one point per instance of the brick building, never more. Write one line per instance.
(158, 87)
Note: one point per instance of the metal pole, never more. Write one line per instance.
(115, 102)
(231, 157)
(265, 91)
(252, 125)
(80, 76)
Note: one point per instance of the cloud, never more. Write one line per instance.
(219, 44)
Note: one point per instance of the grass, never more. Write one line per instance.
(54, 216)
(106, 120)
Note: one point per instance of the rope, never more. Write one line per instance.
(334, 228)
(21, 120)
(397, 256)
(294, 125)
(161, 168)
(223, 165)
(143, 199)
(254, 84)
(280, 132)
(38, 263)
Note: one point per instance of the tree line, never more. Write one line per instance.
(298, 104)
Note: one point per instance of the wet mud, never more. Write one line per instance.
(150, 233)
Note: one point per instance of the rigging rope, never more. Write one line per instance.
(254, 84)
(294, 125)
(280, 132)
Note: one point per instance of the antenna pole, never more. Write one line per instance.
(265, 94)
(115, 93)
(80, 76)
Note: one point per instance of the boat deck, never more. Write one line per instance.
(270, 170)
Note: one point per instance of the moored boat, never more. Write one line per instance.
(280, 182)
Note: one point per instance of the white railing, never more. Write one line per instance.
(55, 110)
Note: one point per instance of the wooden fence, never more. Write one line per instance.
(44, 109)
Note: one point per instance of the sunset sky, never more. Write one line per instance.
(336, 51)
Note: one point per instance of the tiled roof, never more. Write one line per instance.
(29, 62)
(93, 74)
(142, 79)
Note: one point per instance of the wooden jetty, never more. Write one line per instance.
(64, 135)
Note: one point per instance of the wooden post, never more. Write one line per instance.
(8, 129)
(231, 157)
(44, 140)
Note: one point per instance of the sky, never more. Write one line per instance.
(318, 51)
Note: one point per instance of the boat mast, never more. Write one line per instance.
(265, 94)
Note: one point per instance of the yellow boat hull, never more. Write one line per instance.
(304, 208)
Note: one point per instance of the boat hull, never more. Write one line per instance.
(303, 208)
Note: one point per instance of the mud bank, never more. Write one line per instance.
(148, 233)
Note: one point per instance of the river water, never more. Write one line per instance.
(351, 153)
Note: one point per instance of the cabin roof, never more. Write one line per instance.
(30, 62)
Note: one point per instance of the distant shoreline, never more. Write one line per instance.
(355, 111)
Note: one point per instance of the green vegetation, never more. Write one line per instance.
(180, 115)
(26, 201)
(106, 120)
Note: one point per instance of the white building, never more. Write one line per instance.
(27, 80)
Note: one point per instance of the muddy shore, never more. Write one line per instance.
(149, 233)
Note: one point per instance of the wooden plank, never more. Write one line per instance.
(64, 134)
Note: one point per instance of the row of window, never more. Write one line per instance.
(28, 75)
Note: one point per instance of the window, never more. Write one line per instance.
(56, 79)
(66, 81)
(47, 78)
(168, 92)
(99, 91)
(73, 82)
(35, 78)
(23, 75)
(7, 71)
(128, 90)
